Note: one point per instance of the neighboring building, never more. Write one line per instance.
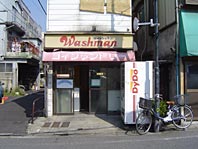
(20, 46)
(178, 36)
(84, 45)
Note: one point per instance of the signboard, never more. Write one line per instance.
(113, 7)
(64, 83)
(137, 80)
(95, 82)
(191, 2)
(89, 56)
(62, 75)
(95, 41)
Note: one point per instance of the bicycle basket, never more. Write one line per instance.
(145, 103)
(181, 99)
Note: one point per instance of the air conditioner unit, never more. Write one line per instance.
(191, 2)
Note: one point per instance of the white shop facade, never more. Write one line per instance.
(83, 71)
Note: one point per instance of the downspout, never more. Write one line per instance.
(177, 50)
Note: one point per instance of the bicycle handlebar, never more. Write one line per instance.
(159, 96)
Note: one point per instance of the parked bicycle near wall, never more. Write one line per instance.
(179, 113)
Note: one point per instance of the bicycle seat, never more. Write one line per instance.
(170, 102)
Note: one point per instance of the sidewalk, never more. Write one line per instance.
(84, 124)
(79, 123)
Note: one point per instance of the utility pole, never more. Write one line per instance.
(157, 70)
(136, 25)
(177, 50)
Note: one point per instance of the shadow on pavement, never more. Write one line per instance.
(26, 103)
(117, 121)
(16, 112)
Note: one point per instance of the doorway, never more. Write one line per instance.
(98, 90)
(63, 86)
(64, 102)
(84, 88)
(98, 87)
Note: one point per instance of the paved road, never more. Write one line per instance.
(15, 114)
(165, 140)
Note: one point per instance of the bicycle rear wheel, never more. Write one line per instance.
(182, 116)
(143, 122)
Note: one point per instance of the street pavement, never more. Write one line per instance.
(89, 124)
(78, 124)
(15, 114)
(15, 117)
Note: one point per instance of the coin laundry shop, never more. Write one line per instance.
(83, 71)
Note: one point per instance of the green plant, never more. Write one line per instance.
(162, 110)
(18, 91)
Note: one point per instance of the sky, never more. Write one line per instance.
(37, 12)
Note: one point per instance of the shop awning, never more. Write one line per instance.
(86, 56)
(188, 33)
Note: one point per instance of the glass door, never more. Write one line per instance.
(63, 85)
(98, 92)
(64, 101)
(64, 96)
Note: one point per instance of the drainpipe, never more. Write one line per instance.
(177, 50)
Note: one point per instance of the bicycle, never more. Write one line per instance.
(179, 113)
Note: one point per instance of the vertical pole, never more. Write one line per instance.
(157, 71)
(177, 50)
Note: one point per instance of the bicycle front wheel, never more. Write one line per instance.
(143, 122)
(182, 116)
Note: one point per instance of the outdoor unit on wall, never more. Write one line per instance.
(190, 2)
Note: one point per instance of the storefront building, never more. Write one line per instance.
(178, 52)
(189, 57)
(20, 47)
(84, 44)
(83, 71)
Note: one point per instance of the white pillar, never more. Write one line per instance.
(49, 90)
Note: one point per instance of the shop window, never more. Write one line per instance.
(98, 78)
(8, 67)
(5, 67)
(192, 79)
(2, 67)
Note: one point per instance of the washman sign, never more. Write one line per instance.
(95, 41)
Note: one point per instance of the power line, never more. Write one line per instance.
(42, 7)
